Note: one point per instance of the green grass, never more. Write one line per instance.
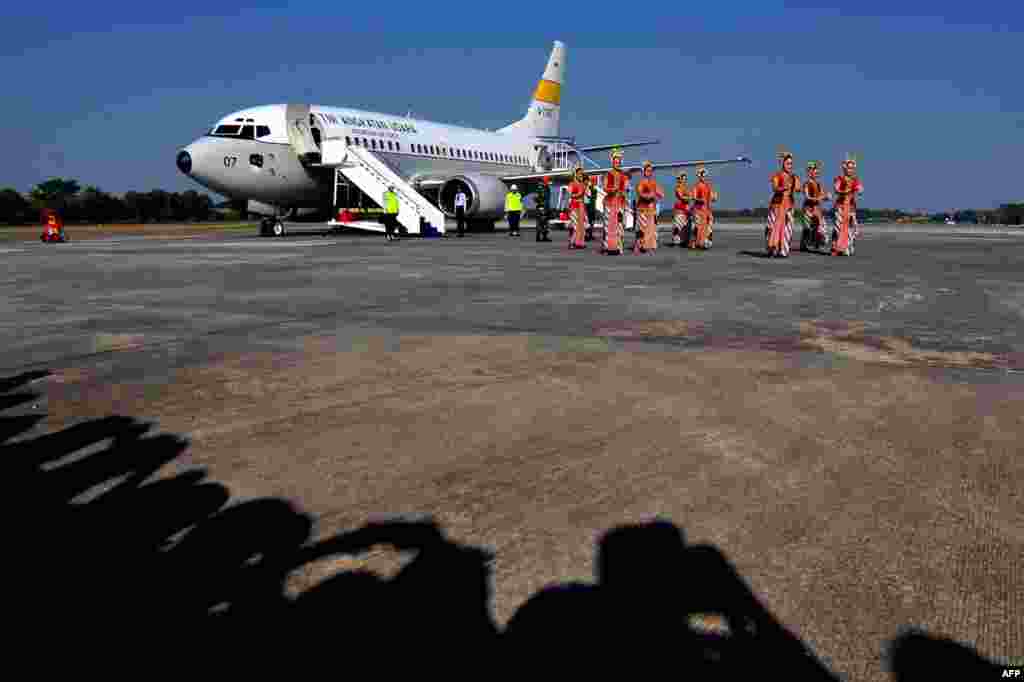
(235, 226)
(9, 233)
(145, 226)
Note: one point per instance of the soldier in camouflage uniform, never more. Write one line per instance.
(543, 199)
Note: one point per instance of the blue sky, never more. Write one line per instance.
(926, 93)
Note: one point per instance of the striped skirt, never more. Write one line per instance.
(577, 226)
(700, 231)
(779, 230)
(845, 223)
(612, 226)
(680, 227)
(648, 225)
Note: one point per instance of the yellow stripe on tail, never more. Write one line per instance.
(548, 92)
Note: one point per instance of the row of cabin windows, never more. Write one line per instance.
(249, 132)
(372, 143)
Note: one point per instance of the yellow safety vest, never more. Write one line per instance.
(513, 201)
(390, 202)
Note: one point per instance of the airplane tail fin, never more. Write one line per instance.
(541, 118)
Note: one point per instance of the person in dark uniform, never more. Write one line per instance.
(591, 212)
(460, 211)
(543, 198)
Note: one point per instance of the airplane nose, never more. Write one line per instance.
(184, 162)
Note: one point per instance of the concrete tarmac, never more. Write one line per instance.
(846, 430)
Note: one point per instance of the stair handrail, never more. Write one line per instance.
(385, 180)
(414, 201)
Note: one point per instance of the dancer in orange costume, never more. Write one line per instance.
(779, 230)
(53, 229)
(648, 194)
(681, 212)
(814, 195)
(616, 182)
(578, 189)
(847, 186)
(704, 195)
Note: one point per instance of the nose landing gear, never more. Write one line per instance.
(271, 227)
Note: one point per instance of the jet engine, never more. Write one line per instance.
(485, 196)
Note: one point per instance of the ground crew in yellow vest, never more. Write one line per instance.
(513, 210)
(391, 214)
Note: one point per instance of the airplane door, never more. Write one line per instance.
(300, 135)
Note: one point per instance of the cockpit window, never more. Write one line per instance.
(245, 132)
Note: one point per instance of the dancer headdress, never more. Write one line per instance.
(851, 161)
(616, 154)
(701, 171)
(784, 154)
(814, 165)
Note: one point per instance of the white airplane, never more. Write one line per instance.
(285, 158)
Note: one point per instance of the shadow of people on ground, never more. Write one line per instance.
(102, 557)
(682, 603)
(441, 596)
(915, 656)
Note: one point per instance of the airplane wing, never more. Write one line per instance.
(604, 147)
(567, 172)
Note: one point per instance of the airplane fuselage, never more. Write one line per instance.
(251, 154)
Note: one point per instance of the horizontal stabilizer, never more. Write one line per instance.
(567, 172)
(604, 147)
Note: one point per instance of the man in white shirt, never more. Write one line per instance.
(460, 211)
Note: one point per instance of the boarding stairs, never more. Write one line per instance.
(372, 176)
(563, 153)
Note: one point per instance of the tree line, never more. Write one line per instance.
(93, 205)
